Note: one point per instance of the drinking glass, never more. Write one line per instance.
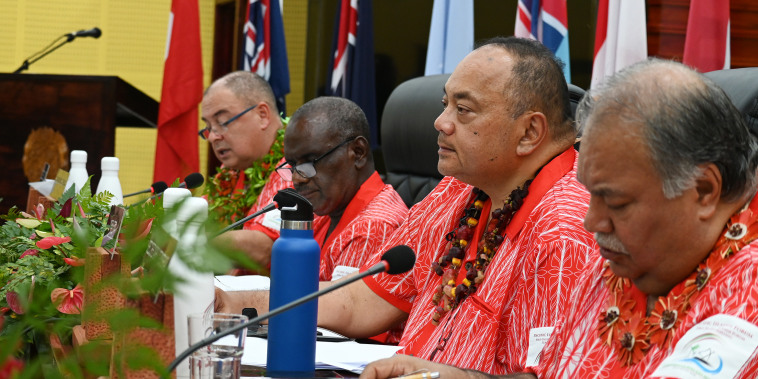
(222, 358)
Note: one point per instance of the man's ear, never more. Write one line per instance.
(708, 187)
(359, 152)
(263, 112)
(533, 129)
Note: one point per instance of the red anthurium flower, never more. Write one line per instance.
(12, 299)
(68, 301)
(66, 209)
(75, 261)
(11, 367)
(40, 211)
(49, 242)
(144, 228)
(29, 252)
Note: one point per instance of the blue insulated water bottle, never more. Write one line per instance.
(295, 260)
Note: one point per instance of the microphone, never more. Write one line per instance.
(94, 33)
(245, 219)
(192, 180)
(155, 188)
(396, 260)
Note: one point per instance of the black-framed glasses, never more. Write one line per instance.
(307, 169)
(224, 126)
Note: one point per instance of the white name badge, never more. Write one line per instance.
(272, 219)
(537, 339)
(717, 347)
(342, 271)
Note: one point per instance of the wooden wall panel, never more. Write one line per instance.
(667, 26)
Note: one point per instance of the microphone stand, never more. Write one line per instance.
(245, 219)
(47, 50)
(381, 266)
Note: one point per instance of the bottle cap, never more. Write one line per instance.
(172, 196)
(294, 206)
(109, 163)
(78, 156)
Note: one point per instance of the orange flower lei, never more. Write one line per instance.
(631, 335)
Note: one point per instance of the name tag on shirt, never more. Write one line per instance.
(537, 339)
(272, 219)
(342, 271)
(717, 347)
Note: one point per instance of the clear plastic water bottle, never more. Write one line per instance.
(295, 260)
(78, 176)
(109, 180)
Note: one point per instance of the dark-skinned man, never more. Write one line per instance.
(499, 242)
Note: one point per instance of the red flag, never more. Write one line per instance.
(706, 46)
(176, 149)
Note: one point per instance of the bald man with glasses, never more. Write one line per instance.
(327, 159)
(242, 126)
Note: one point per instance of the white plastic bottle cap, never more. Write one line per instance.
(109, 163)
(78, 156)
(172, 196)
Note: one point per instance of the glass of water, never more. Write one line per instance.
(222, 358)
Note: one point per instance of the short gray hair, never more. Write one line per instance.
(248, 87)
(344, 117)
(687, 121)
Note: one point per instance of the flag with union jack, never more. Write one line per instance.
(265, 51)
(547, 22)
(352, 62)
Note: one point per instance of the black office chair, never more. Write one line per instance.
(741, 84)
(409, 140)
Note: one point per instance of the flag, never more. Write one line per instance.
(176, 148)
(265, 51)
(351, 73)
(451, 35)
(547, 22)
(619, 41)
(706, 46)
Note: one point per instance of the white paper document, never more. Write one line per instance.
(231, 283)
(348, 355)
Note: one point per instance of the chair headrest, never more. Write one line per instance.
(741, 85)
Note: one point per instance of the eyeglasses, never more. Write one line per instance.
(306, 170)
(222, 127)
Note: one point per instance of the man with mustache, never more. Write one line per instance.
(671, 169)
(328, 160)
(499, 242)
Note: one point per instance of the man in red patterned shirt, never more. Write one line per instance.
(487, 284)
(671, 169)
(328, 160)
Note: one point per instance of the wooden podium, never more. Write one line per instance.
(84, 109)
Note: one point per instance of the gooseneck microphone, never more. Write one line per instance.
(396, 260)
(192, 180)
(94, 33)
(155, 188)
(247, 218)
(62, 40)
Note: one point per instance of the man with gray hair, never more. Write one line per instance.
(244, 129)
(671, 169)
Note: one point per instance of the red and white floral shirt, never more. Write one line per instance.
(526, 286)
(716, 337)
(372, 215)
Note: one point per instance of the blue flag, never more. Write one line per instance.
(451, 35)
(265, 51)
(351, 73)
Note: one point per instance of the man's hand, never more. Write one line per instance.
(403, 364)
(234, 301)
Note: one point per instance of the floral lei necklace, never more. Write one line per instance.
(631, 335)
(228, 204)
(448, 294)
